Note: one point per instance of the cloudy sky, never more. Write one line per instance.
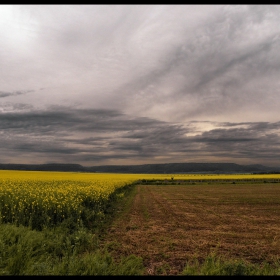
(140, 84)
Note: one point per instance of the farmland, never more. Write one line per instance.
(149, 224)
(170, 224)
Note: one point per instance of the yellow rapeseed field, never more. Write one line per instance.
(47, 198)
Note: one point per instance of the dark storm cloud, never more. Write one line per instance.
(64, 119)
(255, 141)
(83, 132)
(85, 136)
(6, 94)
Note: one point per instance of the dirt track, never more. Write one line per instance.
(168, 225)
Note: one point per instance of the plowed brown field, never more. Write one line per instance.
(168, 225)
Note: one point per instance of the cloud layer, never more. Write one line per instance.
(130, 84)
(97, 136)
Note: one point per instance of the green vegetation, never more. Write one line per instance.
(55, 252)
(216, 265)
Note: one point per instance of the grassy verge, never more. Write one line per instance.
(217, 265)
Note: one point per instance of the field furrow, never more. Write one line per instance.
(168, 225)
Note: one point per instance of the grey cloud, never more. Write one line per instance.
(256, 141)
(215, 68)
(87, 134)
(130, 81)
(13, 93)
(254, 54)
(83, 136)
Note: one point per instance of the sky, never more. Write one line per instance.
(139, 84)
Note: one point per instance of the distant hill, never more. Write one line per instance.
(165, 168)
(184, 168)
(44, 167)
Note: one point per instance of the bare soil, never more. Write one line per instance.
(168, 225)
